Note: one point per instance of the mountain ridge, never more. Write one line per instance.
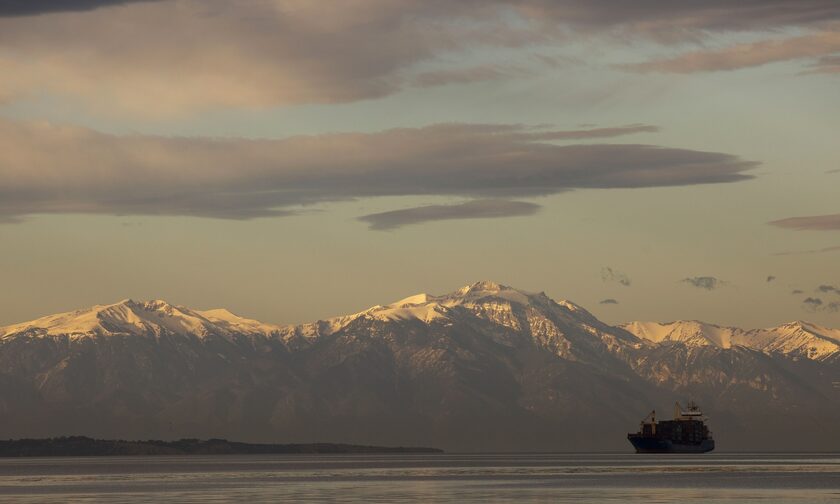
(798, 338)
(129, 316)
(484, 367)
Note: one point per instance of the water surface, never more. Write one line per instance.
(710, 478)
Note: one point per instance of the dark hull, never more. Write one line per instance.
(644, 444)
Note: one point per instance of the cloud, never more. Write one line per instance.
(704, 282)
(744, 55)
(610, 275)
(812, 303)
(163, 58)
(35, 7)
(527, 65)
(810, 223)
(608, 301)
(825, 289)
(465, 75)
(170, 58)
(817, 304)
(46, 168)
(770, 278)
(826, 65)
(668, 19)
(477, 209)
(796, 292)
(582, 134)
(807, 252)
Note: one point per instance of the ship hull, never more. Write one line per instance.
(644, 444)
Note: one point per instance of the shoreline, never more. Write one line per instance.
(82, 446)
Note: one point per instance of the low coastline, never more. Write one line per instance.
(82, 446)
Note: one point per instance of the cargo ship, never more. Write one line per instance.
(686, 433)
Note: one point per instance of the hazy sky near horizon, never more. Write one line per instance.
(293, 160)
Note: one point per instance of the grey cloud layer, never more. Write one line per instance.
(477, 209)
(670, 21)
(59, 169)
(196, 54)
(667, 16)
(35, 7)
(701, 15)
(191, 54)
(811, 223)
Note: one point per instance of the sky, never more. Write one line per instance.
(293, 160)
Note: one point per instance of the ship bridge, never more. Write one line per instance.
(692, 412)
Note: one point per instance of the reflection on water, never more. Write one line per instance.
(718, 478)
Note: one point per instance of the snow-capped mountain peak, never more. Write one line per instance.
(429, 308)
(155, 317)
(485, 292)
(512, 309)
(803, 339)
(689, 332)
(482, 286)
(795, 339)
(487, 289)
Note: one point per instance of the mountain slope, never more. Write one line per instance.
(486, 367)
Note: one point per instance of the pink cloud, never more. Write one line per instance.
(811, 223)
(745, 55)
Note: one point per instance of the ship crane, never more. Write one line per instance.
(649, 423)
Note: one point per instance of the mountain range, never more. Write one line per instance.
(486, 367)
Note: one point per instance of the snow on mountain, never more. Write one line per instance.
(129, 317)
(689, 332)
(235, 324)
(511, 316)
(505, 315)
(564, 327)
(485, 299)
(490, 296)
(796, 339)
(803, 339)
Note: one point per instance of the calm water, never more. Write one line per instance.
(710, 478)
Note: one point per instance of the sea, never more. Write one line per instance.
(423, 478)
